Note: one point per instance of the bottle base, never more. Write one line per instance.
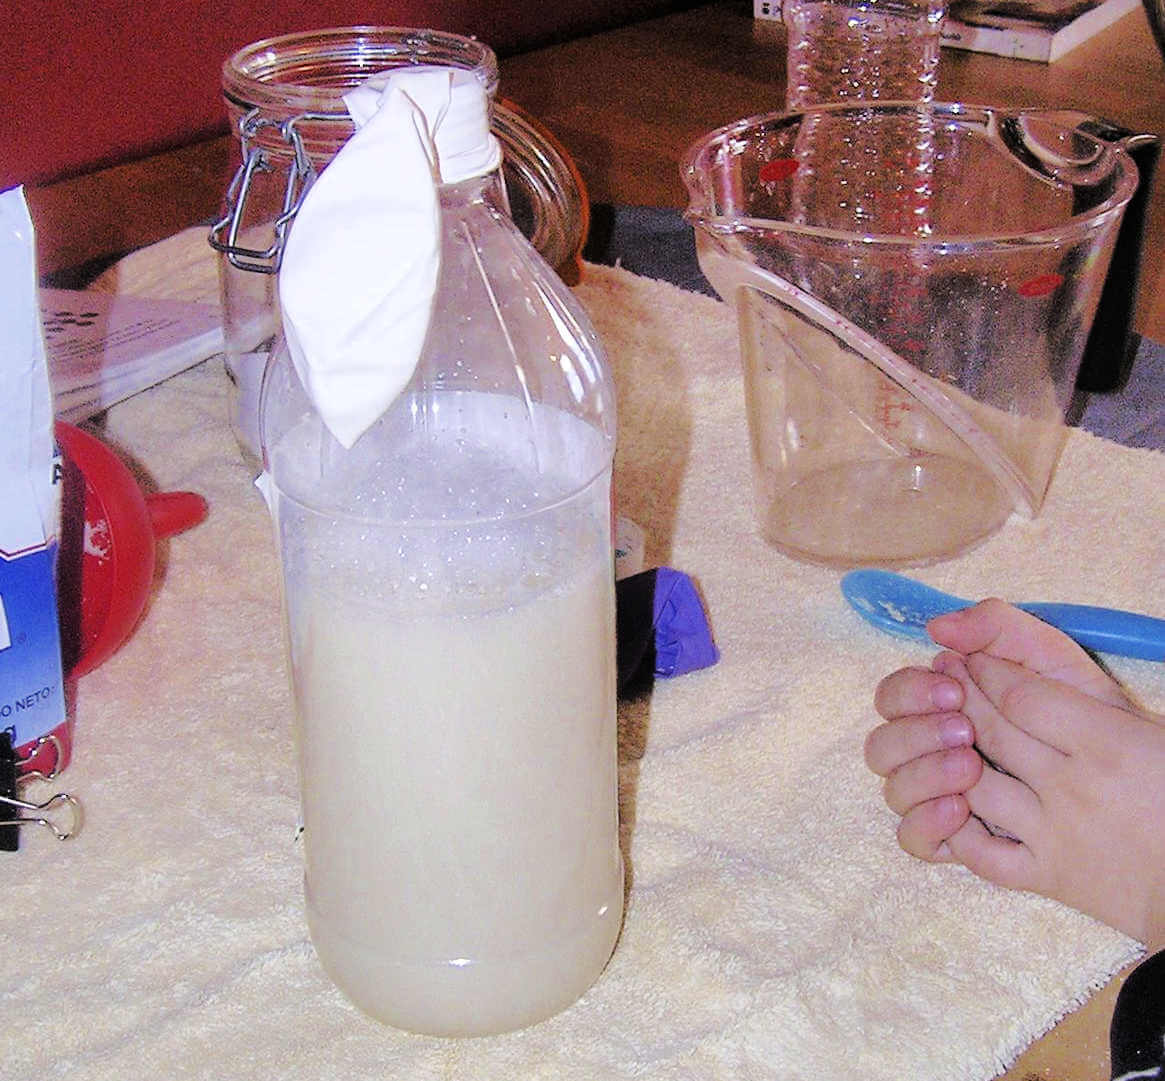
(461, 997)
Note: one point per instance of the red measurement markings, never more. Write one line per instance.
(777, 169)
(891, 406)
(1041, 285)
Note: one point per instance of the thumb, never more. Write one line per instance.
(1004, 631)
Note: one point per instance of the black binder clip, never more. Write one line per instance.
(38, 814)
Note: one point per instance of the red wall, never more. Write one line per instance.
(93, 82)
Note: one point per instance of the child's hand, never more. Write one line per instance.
(1081, 780)
(1080, 789)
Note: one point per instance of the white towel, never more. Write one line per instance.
(774, 930)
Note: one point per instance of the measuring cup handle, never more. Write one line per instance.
(1112, 343)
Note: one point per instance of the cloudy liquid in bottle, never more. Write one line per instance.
(455, 721)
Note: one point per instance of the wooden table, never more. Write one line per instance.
(626, 104)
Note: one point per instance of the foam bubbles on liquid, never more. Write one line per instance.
(475, 504)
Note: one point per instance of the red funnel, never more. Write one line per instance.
(119, 527)
(109, 531)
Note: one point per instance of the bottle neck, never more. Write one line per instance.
(489, 188)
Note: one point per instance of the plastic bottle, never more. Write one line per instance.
(884, 50)
(450, 610)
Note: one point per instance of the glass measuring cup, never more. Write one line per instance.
(914, 287)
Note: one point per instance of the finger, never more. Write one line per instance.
(944, 773)
(998, 739)
(1052, 712)
(1001, 860)
(925, 829)
(1007, 803)
(895, 743)
(997, 628)
(912, 691)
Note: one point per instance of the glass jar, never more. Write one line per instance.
(284, 96)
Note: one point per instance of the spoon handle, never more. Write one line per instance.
(1106, 630)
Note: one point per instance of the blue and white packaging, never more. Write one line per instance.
(32, 702)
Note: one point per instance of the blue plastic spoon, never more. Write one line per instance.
(902, 606)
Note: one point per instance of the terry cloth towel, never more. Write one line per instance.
(773, 928)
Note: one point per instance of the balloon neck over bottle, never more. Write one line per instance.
(363, 261)
(452, 117)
